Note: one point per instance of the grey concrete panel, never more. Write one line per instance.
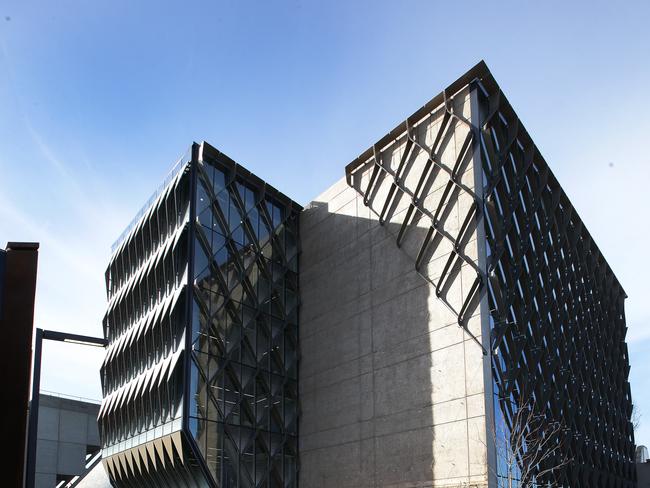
(66, 427)
(348, 340)
(73, 427)
(403, 456)
(338, 466)
(92, 430)
(71, 458)
(45, 480)
(643, 475)
(389, 382)
(46, 456)
(403, 386)
(48, 423)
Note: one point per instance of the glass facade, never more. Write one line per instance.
(557, 317)
(244, 331)
(200, 376)
(142, 376)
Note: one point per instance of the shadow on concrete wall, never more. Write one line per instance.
(392, 389)
(378, 350)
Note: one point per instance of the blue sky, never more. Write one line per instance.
(98, 99)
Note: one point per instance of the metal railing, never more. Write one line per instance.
(178, 165)
(70, 397)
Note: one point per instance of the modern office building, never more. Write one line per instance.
(446, 285)
(200, 377)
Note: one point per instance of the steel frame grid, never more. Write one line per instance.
(453, 186)
(534, 362)
(236, 175)
(559, 329)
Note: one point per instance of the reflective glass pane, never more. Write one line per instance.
(248, 297)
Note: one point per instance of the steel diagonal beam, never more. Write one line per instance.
(418, 204)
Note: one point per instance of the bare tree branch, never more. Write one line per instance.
(529, 448)
(636, 418)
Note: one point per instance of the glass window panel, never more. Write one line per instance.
(263, 343)
(246, 195)
(216, 394)
(248, 316)
(275, 213)
(254, 219)
(263, 402)
(263, 229)
(198, 429)
(263, 290)
(289, 471)
(202, 197)
(290, 415)
(199, 325)
(233, 339)
(234, 218)
(248, 399)
(248, 348)
(200, 259)
(197, 390)
(248, 456)
(237, 293)
(218, 240)
(223, 202)
(261, 459)
(291, 245)
(267, 249)
(233, 276)
(230, 462)
(239, 236)
(221, 257)
(218, 181)
(248, 323)
(205, 218)
(231, 395)
(291, 300)
(250, 199)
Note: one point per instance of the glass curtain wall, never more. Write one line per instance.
(244, 329)
(142, 376)
(557, 317)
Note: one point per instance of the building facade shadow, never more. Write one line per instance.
(392, 367)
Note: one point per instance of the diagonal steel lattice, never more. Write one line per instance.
(200, 376)
(387, 189)
(243, 414)
(555, 307)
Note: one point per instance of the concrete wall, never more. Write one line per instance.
(392, 389)
(643, 475)
(65, 430)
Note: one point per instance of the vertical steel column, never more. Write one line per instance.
(30, 465)
(32, 437)
(195, 156)
(477, 118)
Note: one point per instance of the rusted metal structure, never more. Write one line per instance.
(18, 266)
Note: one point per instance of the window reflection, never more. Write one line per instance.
(252, 329)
